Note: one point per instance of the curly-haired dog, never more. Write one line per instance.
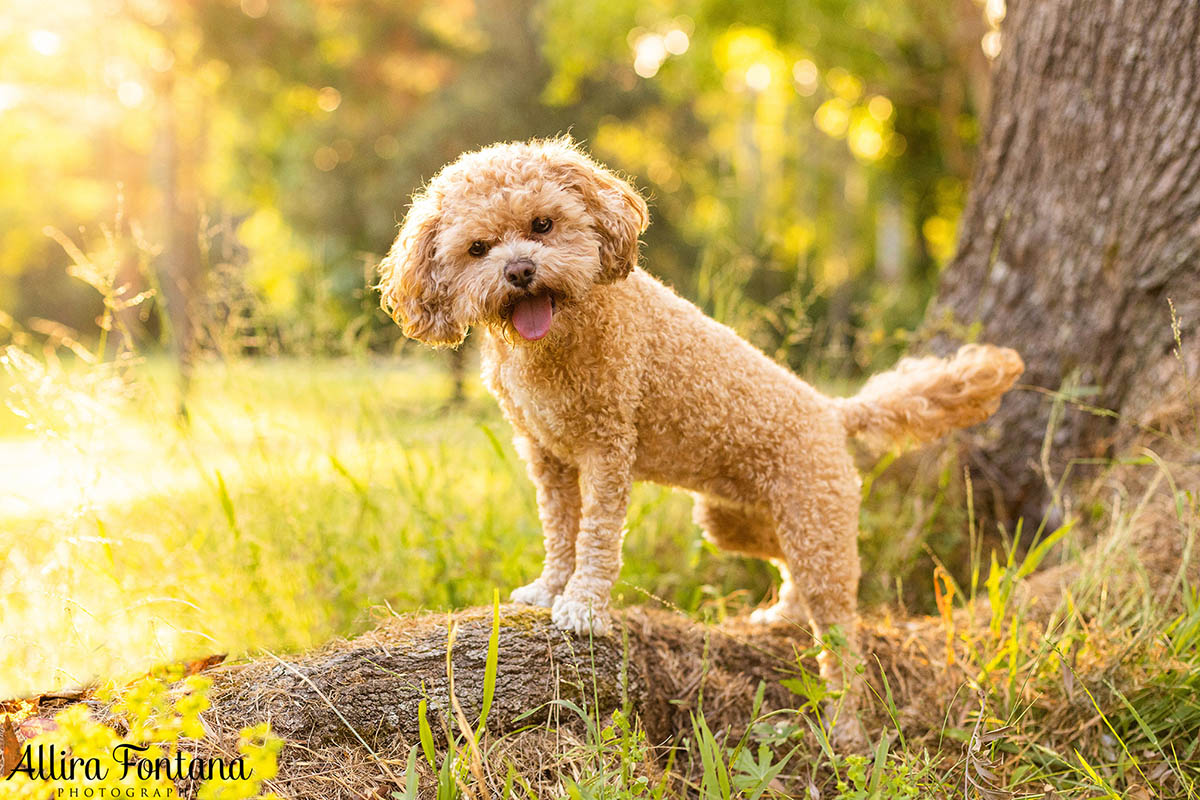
(608, 377)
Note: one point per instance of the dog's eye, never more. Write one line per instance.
(542, 224)
(478, 249)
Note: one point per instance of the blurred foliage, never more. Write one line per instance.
(805, 160)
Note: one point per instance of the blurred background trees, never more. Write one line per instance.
(231, 169)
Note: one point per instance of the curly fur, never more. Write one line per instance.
(925, 398)
(632, 382)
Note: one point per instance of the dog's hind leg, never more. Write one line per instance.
(559, 506)
(818, 536)
(791, 605)
(816, 514)
(749, 529)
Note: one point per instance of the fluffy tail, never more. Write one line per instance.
(924, 398)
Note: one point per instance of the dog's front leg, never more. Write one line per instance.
(558, 507)
(605, 481)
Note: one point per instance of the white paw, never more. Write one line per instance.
(771, 615)
(580, 616)
(534, 594)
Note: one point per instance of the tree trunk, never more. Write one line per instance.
(458, 375)
(1082, 227)
(181, 264)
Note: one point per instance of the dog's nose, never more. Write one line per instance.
(520, 272)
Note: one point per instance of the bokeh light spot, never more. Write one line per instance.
(650, 52)
(325, 158)
(939, 233)
(844, 85)
(833, 117)
(866, 142)
(661, 172)
(130, 93)
(45, 42)
(10, 95)
(991, 44)
(328, 99)
(676, 42)
(880, 108)
(255, 9)
(758, 76)
(387, 146)
(161, 59)
(995, 11)
(804, 73)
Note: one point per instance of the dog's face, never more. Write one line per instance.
(508, 237)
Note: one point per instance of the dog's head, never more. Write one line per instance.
(507, 237)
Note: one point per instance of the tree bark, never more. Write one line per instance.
(1083, 221)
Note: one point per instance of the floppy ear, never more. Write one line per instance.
(410, 290)
(619, 211)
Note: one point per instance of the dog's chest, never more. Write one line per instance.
(550, 404)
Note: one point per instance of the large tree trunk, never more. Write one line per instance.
(1082, 223)
(181, 267)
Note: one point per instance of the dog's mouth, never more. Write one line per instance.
(532, 315)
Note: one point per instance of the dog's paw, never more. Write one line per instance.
(534, 594)
(776, 614)
(580, 616)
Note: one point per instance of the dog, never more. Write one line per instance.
(607, 376)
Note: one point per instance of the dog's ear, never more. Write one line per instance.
(410, 290)
(619, 211)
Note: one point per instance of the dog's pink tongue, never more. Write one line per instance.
(532, 316)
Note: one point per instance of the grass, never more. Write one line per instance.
(303, 499)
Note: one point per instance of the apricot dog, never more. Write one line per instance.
(607, 376)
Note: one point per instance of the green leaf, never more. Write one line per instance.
(495, 440)
(227, 504)
(491, 665)
(410, 777)
(426, 734)
(1035, 556)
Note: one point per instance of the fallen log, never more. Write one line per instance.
(350, 712)
(370, 689)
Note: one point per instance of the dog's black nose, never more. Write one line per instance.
(520, 272)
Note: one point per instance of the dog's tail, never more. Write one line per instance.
(924, 398)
